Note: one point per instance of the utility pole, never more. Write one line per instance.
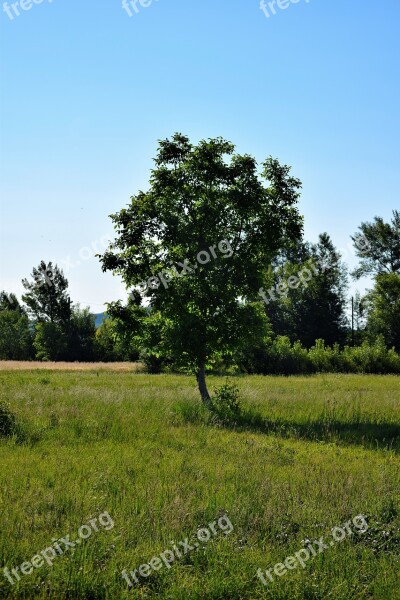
(352, 321)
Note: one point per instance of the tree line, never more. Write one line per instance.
(275, 304)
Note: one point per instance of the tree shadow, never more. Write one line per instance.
(376, 436)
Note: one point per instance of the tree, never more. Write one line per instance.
(72, 341)
(314, 307)
(51, 342)
(208, 205)
(377, 244)
(383, 309)
(381, 258)
(359, 318)
(81, 335)
(15, 331)
(324, 301)
(47, 298)
(105, 342)
(10, 302)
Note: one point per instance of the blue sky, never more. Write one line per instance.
(87, 90)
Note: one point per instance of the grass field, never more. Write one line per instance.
(309, 454)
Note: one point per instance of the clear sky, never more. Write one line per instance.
(87, 90)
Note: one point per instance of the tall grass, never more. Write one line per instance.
(308, 454)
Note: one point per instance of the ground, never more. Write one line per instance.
(139, 453)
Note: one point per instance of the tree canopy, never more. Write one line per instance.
(377, 244)
(46, 296)
(210, 212)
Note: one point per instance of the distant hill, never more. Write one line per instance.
(99, 318)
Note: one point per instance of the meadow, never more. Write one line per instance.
(308, 454)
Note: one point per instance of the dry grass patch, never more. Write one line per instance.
(25, 365)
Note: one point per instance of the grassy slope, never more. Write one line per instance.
(140, 448)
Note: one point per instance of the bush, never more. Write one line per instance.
(371, 358)
(325, 359)
(287, 359)
(280, 357)
(8, 423)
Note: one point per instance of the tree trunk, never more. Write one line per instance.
(201, 381)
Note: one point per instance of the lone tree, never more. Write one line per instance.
(212, 214)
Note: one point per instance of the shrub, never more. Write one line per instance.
(226, 402)
(280, 357)
(371, 358)
(322, 357)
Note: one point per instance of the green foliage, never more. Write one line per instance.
(114, 343)
(15, 332)
(199, 198)
(73, 340)
(80, 333)
(382, 306)
(46, 297)
(51, 342)
(359, 320)
(370, 358)
(153, 333)
(284, 358)
(15, 336)
(315, 306)
(10, 302)
(123, 330)
(381, 258)
(106, 342)
(226, 402)
(8, 425)
(325, 359)
(212, 317)
(377, 245)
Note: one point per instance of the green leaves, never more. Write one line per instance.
(198, 196)
(46, 297)
(377, 244)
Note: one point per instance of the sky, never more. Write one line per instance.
(88, 88)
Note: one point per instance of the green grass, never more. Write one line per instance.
(308, 454)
